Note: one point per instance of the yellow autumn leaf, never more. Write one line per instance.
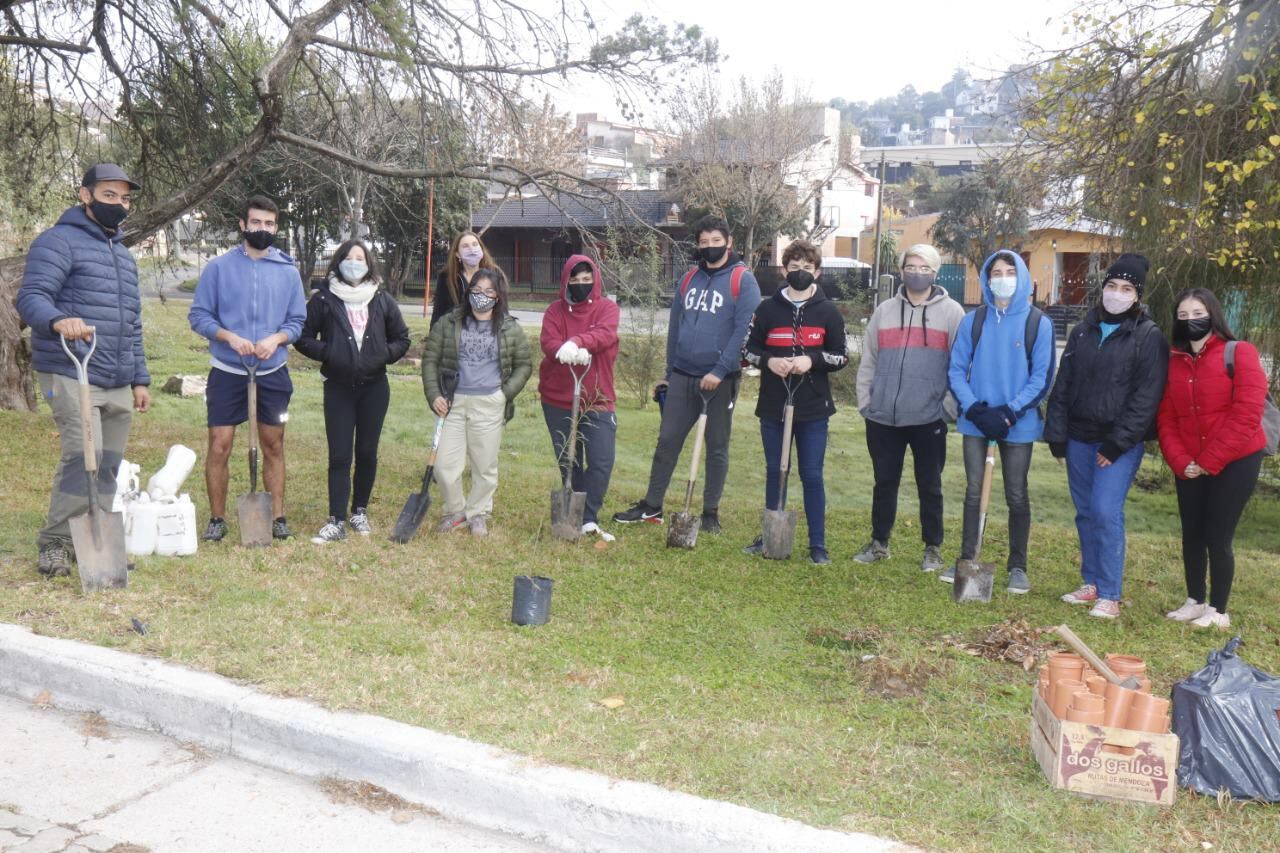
(1274, 139)
(1144, 220)
(1140, 117)
(1167, 180)
(612, 702)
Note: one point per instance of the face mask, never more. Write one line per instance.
(917, 282)
(353, 271)
(1004, 287)
(1117, 303)
(481, 302)
(259, 240)
(109, 216)
(1192, 330)
(578, 292)
(712, 254)
(471, 256)
(800, 280)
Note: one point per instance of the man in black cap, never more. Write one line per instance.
(80, 282)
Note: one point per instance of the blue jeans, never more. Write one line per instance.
(1099, 495)
(811, 449)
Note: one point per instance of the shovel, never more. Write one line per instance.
(683, 532)
(567, 506)
(780, 525)
(98, 537)
(254, 509)
(415, 508)
(1093, 660)
(974, 579)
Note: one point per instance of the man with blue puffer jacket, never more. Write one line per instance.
(250, 305)
(81, 283)
(1001, 369)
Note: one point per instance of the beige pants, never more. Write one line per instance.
(473, 430)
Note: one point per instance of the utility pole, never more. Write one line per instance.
(875, 262)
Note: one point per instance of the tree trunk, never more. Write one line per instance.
(17, 390)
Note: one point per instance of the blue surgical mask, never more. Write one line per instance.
(1003, 287)
(353, 271)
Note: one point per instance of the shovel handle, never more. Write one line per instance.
(86, 431)
(784, 466)
(1100, 666)
(988, 474)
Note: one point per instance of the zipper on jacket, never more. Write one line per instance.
(115, 263)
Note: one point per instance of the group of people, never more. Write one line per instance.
(925, 363)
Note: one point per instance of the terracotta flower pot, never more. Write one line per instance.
(1062, 691)
(1065, 665)
(1144, 685)
(1097, 685)
(1083, 700)
(1087, 673)
(1119, 700)
(1076, 715)
(1127, 665)
(1147, 713)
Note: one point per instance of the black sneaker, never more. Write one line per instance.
(818, 555)
(216, 531)
(54, 560)
(280, 529)
(639, 511)
(711, 522)
(755, 549)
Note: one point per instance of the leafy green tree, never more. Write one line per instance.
(986, 211)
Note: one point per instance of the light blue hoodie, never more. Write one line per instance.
(999, 374)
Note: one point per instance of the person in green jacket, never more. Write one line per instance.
(481, 344)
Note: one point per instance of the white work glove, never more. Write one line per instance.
(568, 353)
(583, 356)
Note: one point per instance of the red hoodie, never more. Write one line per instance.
(592, 325)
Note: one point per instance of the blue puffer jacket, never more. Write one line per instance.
(75, 270)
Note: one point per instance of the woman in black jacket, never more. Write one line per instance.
(354, 329)
(1110, 383)
(467, 255)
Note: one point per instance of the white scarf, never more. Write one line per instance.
(357, 296)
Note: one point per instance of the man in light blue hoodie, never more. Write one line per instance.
(250, 305)
(1001, 369)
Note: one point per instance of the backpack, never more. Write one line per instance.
(1029, 335)
(1270, 414)
(735, 279)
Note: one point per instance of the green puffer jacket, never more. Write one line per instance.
(514, 361)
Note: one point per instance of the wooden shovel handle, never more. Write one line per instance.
(1093, 660)
(86, 431)
(988, 474)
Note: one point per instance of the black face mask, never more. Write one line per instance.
(800, 280)
(712, 254)
(1192, 330)
(259, 240)
(578, 292)
(109, 216)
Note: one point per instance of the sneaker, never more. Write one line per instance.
(479, 525)
(1190, 610)
(873, 551)
(711, 522)
(280, 529)
(216, 531)
(1212, 619)
(1086, 594)
(54, 560)
(755, 549)
(949, 576)
(1105, 609)
(333, 531)
(359, 522)
(591, 527)
(818, 555)
(451, 521)
(1018, 583)
(932, 559)
(639, 511)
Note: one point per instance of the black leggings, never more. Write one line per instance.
(1210, 507)
(353, 417)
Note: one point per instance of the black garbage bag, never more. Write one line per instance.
(1227, 718)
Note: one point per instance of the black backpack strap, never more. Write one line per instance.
(975, 335)
(1229, 356)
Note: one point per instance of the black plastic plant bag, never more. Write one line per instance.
(1227, 719)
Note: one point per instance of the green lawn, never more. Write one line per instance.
(731, 688)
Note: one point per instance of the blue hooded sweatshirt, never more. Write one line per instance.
(707, 326)
(999, 375)
(251, 298)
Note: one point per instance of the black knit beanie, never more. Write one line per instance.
(1131, 268)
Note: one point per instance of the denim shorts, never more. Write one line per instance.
(227, 397)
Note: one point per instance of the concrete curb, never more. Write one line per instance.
(484, 786)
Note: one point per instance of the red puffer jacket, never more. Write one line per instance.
(1206, 418)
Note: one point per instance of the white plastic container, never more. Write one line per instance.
(140, 526)
(166, 482)
(175, 523)
(127, 485)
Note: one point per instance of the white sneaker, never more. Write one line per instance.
(359, 523)
(1212, 619)
(592, 527)
(333, 531)
(1188, 611)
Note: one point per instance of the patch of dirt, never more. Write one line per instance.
(1010, 641)
(890, 680)
(373, 798)
(866, 638)
(94, 724)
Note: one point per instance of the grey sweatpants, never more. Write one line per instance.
(112, 413)
(679, 414)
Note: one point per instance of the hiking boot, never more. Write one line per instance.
(932, 559)
(1086, 594)
(592, 527)
(334, 530)
(280, 529)
(479, 525)
(818, 555)
(639, 511)
(451, 521)
(949, 576)
(873, 552)
(54, 560)
(1212, 619)
(216, 531)
(1106, 609)
(755, 549)
(711, 522)
(359, 522)
(1189, 611)
(1018, 583)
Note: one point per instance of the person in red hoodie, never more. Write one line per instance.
(1211, 435)
(580, 331)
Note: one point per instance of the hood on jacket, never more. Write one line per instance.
(597, 286)
(1020, 303)
(78, 217)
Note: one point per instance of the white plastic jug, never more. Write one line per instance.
(140, 527)
(127, 485)
(166, 482)
(175, 527)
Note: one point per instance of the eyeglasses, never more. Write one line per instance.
(913, 268)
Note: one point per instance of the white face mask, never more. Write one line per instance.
(353, 271)
(1116, 302)
(1003, 286)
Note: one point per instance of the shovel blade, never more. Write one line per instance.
(779, 533)
(567, 508)
(973, 581)
(415, 509)
(683, 530)
(254, 512)
(101, 558)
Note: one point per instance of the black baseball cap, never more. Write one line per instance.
(107, 172)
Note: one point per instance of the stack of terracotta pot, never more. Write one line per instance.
(1074, 692)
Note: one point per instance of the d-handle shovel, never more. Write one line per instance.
(415, 508)
(98, 536)
(974, 580)
(1098, 664)
(254, 509)
(683, 532)
(779, 532)
(568, 506)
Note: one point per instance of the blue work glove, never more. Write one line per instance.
(1008, 414)
(991, 422)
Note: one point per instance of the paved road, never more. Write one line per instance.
(70, 782)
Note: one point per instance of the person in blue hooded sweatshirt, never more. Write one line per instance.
(1001, 369)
